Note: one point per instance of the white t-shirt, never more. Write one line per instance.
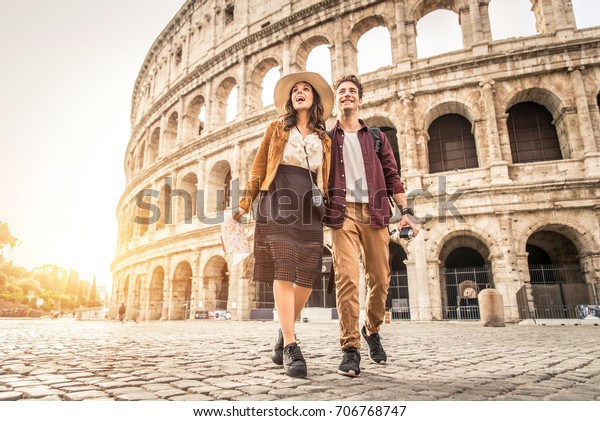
(356, 178)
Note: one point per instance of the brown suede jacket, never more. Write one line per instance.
(267, 161)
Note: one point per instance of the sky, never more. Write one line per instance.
(66, 82)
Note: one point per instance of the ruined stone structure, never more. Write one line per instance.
(498, 144)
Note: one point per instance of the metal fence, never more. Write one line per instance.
(462, 285)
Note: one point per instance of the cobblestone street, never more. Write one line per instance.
(223, 360)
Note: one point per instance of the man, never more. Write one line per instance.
(360, 181)
(122, 311)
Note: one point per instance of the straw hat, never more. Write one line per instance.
(286, 83)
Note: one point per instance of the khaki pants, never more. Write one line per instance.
(347, 242)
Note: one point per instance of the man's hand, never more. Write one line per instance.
(406, 221)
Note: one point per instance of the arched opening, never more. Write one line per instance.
(586, 13)
(216, 284)
(182, 292)
(398, 295)
(171, 131)
(370, 59)
(557, 281)
(532, 134)
(465, 272)
(225, 102)
(164, 205)
(511, 18)
(451, 144)
(153, 147)
(144, 215)
(438, 32)
(218, 194)
(155, 303)
(386, 126)
(324, 295)
(187, 202)
(316, 59)
(232, 105)
(196, 115)
(268, 86)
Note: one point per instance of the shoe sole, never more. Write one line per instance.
(350, 373)
(380, 362)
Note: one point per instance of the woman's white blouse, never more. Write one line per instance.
(293, 153)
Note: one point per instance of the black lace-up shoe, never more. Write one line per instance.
(376, 352)
(277, 353)
(293, 361)
(350, 365)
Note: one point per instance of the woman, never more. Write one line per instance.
(288, 239)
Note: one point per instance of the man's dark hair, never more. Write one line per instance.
(350, 78)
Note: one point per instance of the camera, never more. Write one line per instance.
(405, 233)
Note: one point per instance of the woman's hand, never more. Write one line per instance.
(238, 213)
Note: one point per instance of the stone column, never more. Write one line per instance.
(583, 112)
(400, 51)
(243, 93)
(410, 150)
(180, 122)
(196, 283)
(590, 150)
(411, 38)
(162, 144)
(498, 167)
(503, 137)
(337, 50)
(167, 288)
(209, 102)
(286, 65)
(466, 27)
(475, 20)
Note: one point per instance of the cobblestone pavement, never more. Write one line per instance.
(224, 360)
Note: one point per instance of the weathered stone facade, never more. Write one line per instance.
(526, 193)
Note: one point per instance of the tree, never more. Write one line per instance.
(6, 238)
(93, 294)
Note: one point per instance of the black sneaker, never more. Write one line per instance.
(350, 365)
(293, 361)
(277, 353)
(376, 352)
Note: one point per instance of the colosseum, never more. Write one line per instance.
(498, 144)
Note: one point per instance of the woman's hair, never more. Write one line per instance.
(315, 115)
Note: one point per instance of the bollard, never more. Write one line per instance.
(388, 317)
(491, 308)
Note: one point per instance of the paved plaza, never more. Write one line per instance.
(72, 360)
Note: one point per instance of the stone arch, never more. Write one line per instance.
(222, 94)
(369, 60)
(424, 7)
(154, 146)
(542, 96)
(391, 132)
(218, 188)
(254, 86)
(170, 135)
(465, 270)
(194, 124)
(156, 294)
(181, 292)
(186, 204)
(455, 113)
(365, 25)
(305, 48)
(248, 164)
(556, 255)
(216, 284)
(499, 29)
(554, 104)
(584, 243)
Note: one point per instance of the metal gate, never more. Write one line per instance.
(397, 299)
(461, 288)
